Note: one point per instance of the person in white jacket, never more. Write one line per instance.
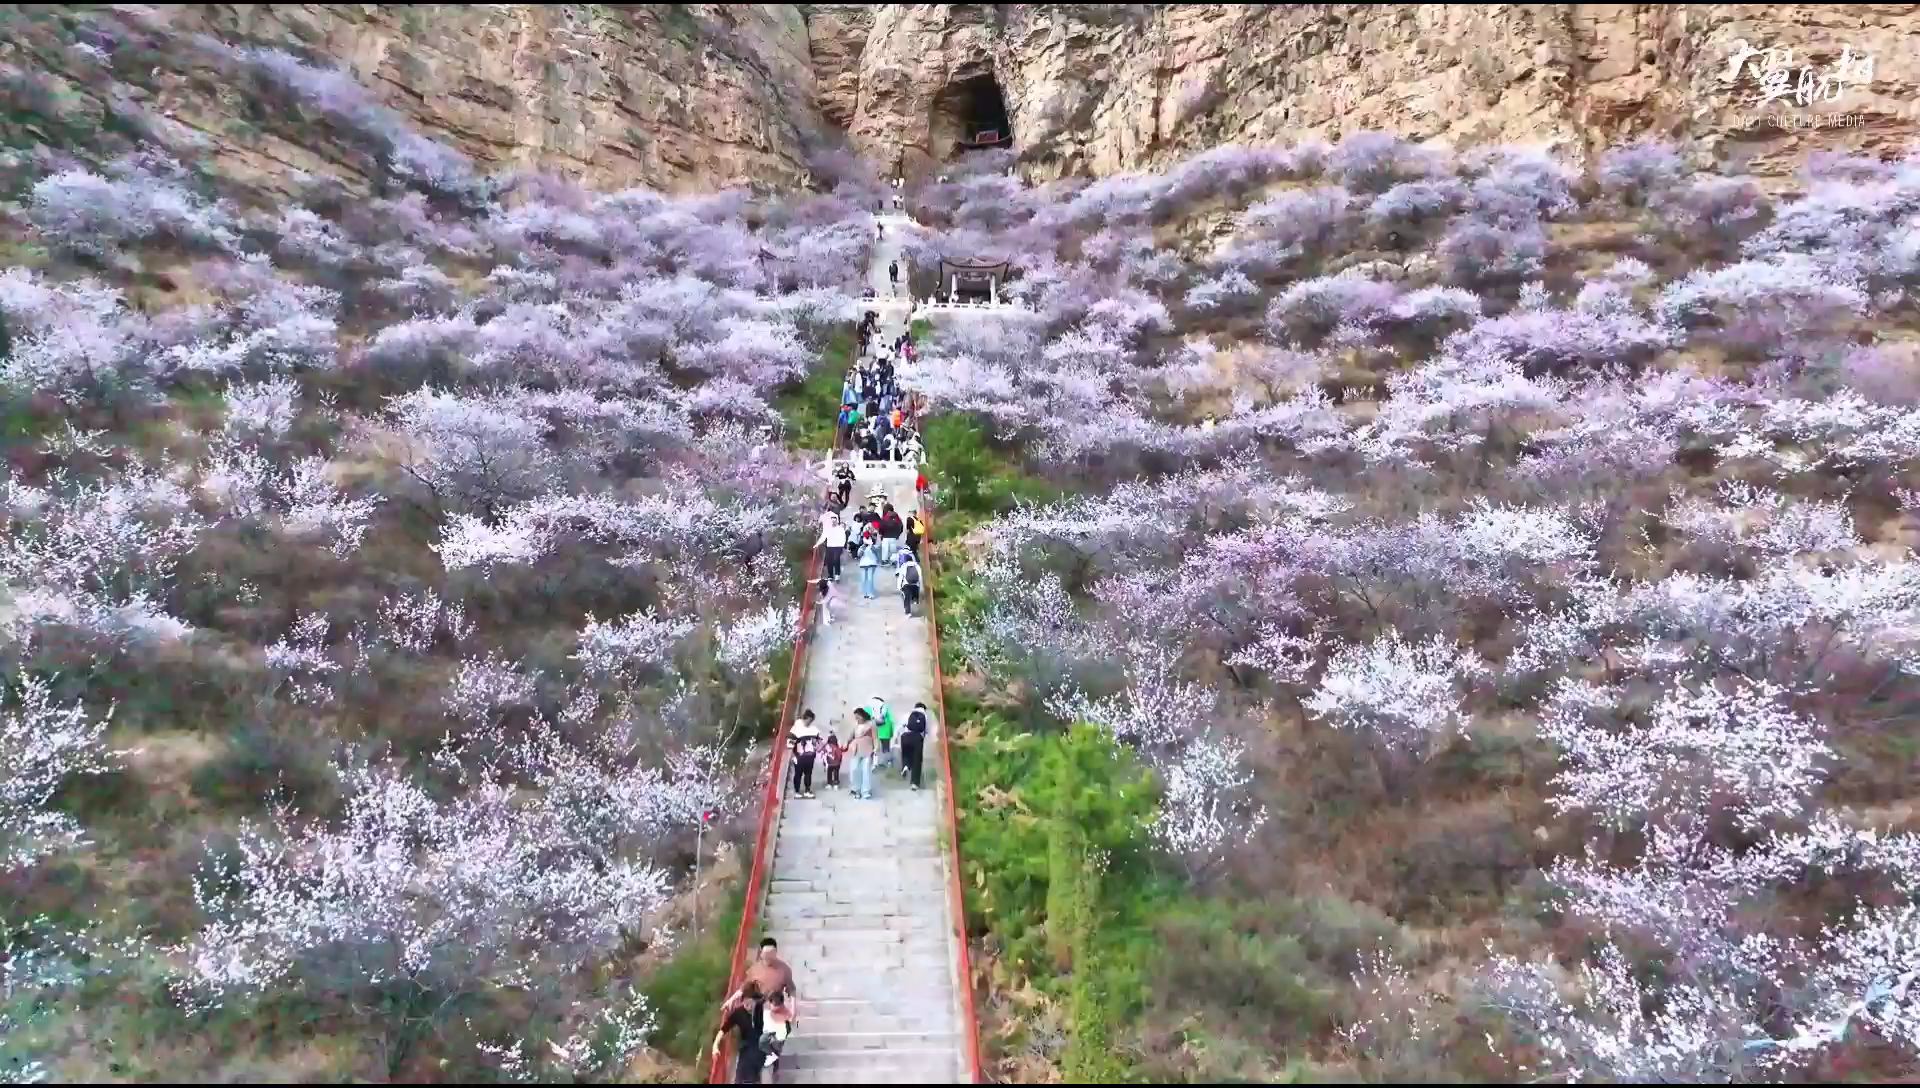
(833, 537)
(805, 741)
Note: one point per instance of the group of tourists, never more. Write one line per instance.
(875, 419)
(876, 536)
(869, 745)
(760, 1016)
(879, 421)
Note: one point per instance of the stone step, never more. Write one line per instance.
(877, 1072)
(918, 989)
(864, 921)
(923, 1056)
(826, 880)
(806, 946)
(861, 1006)
(814, 1040)
(877, 1023)
(832, 942)
(897, 901)
(935, 966)
(852, 891)
(813, 963)
(920, 867)
(916, 1065)
(854, 844)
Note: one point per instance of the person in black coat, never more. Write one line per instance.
(746, 1021)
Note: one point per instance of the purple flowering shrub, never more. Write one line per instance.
(1760, 306)
(141, 197)
(1637, 174)
(1476, 253)
(1373, 162)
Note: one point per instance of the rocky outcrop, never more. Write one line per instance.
(693, 96)
(670, 95)
(1663, 68)
(837, 39)
(1103, 88)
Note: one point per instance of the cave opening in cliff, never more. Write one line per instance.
(978, 112)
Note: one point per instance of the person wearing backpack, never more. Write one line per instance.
(916, 531)
(906, 578)
(848, 417)
(745, 1018)
(913, 742)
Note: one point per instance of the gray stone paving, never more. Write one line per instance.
(858, 895)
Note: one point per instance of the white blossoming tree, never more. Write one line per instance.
(1405, 697)
(43, 744)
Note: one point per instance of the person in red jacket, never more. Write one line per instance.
(920, 484)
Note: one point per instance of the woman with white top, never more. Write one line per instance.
(833, 537)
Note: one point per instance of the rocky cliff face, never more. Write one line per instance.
(683, 96)
(675, 96)
(1103, 88)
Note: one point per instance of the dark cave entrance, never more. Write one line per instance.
(973, 114)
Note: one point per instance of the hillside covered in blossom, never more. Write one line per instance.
(392, 582)
(1497, 584)
(1406, 613)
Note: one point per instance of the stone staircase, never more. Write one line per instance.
(859, 904)
(857, 890)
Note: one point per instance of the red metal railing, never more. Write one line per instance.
(769, 809)
(958, 900)
(717, 1072)
(770, 803)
